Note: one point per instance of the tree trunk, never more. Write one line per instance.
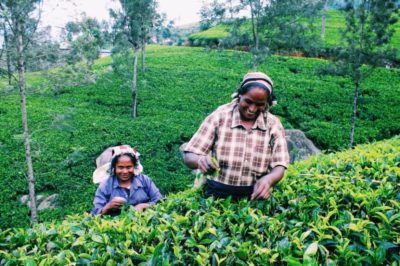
(143, 56)
(6, 48)
(354, 113)
(255, 37)
(22, 90)
(134, 79)
(323, 19)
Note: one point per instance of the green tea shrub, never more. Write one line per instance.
(335, 22)
(182, 86)
(336, 209)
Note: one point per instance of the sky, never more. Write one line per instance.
(58, 12)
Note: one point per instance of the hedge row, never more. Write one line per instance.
(335, 22)
(340, 209)
(182, 85)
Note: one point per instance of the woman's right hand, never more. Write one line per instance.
(115, 203)
(206, 164)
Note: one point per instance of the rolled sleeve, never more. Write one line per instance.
(100, 200)
(202, 141)
(152, 191)
(280, 153)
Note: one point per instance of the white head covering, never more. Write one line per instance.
(104, 170)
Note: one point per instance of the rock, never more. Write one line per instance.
(24, 199)
(48, 203)
(41, 201)
(300, 147)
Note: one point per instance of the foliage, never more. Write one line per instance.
(135, 20)
(20, 19)
(212, 36)
(365, 38)
(59, 80)
(335, 23)
(85, 39)
(133, 24)
(183, 85)
(338, 209)
(211, 13)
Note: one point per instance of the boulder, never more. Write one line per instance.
(42, 201)
(48, 203)
(300, 147)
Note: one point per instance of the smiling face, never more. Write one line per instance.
(124, 168)
(252, 103)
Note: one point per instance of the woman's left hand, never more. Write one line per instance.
(262, 188)
(264, 184)
(141, 206)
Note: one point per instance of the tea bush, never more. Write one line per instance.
(337, 209)
(335, 22)
(70, 128)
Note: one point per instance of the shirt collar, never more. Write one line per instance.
(136, 182)
(260, 121)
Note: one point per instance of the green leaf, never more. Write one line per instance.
(305, 235)
(311, 249)
(97, 238)
(383, 217)
(29, 262)
(292, 261)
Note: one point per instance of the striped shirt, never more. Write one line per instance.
(243, 155)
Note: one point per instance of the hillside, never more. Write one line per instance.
(337, 209)
(335, 21)
(71, 128)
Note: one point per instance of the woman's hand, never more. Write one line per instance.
(115, 203)
(262, 188)
(141, 206)
(263, 185)
(202, 162)
(206, 165)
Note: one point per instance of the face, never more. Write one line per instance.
(124, 168)
(252, 103)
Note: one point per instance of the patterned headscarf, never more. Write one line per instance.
(104, 170)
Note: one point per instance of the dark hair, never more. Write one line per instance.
(116, 158)
(244, 89)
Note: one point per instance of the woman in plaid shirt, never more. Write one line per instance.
(247, 141)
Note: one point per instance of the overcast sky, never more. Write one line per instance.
(57, 12)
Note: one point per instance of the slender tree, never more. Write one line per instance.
(212, 13)
(366, 35)
(18, 15)
(323, 19)
(132, 25)
(147, 23)
(256, 14)
(275, 25)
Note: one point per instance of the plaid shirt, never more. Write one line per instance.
(243, 155)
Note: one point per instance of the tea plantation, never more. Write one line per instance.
(71, 127)
(338, 209)
(335, 22)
